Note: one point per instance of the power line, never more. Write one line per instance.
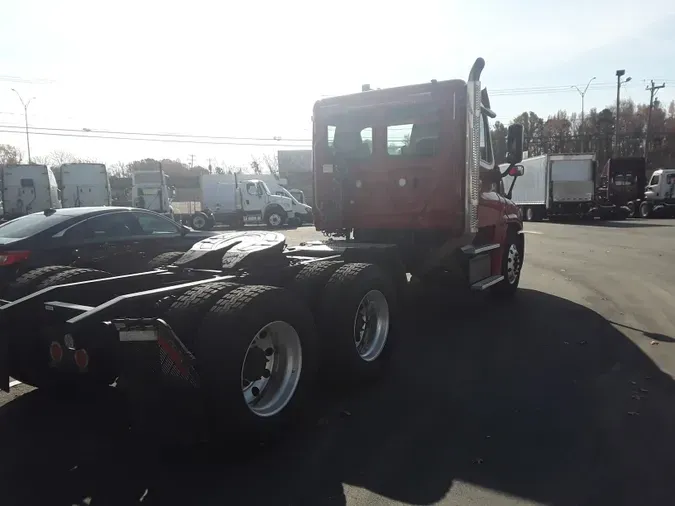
(24, 80)
(159, 134)
(185, 141)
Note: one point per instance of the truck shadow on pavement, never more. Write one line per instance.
(540, 398)
(631, 223)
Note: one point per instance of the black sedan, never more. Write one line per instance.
(118, 240)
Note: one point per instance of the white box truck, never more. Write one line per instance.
(560, 185)
(28, 189)
(85, 185)
(234, 200)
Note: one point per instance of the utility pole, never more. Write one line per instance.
(192, 160)
(619, 82)
(583, 95)
(25, 114)
(210, 166)
(652, 89)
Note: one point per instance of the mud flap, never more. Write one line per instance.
(4, 353)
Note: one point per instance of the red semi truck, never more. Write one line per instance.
(231, 336)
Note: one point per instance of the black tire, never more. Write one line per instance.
(510, 262)
(187, 311)
(311, 280)
(28, 352)
(223, 342)
(211, 223)
(164, 259)
(340, 301)
(275, 217)
(28, 281)
(71, 276)
(199, 221)
(645, 210)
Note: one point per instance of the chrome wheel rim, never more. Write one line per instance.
(198, 222)
(271, 369)
(512, 264)
(275, 220)
(371, 325)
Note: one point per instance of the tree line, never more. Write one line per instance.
(567, 133)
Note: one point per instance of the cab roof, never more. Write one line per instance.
(399, 94)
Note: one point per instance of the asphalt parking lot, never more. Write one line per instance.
(564, 396)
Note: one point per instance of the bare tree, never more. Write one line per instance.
(57, 158)
(9, 154)
(271, 163)
(266, 164)
(120, 169)
(40, 160)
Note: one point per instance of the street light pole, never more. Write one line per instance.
(619, 82)
(583, 95)
(25, 114)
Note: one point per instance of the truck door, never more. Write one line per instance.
(253, 198)
(652, 189)
(492, 204)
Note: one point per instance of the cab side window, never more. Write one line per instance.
(655, 180)
(485, 141)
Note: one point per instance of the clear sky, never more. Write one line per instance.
(238, 69)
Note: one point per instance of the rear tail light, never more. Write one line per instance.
(13, 257)
(56, 352)
(81, 359)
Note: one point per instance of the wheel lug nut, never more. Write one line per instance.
(269, 351)
(266, 373)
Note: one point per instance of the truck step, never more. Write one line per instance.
(486, 283)
(472, 250)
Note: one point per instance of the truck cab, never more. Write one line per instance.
(303, 212)
(659, 194)
(621, 183)
(259, 201)
(85, 185)
(150, 190)
(414, 166)
(27, 189)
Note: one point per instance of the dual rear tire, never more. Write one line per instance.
(261, 349)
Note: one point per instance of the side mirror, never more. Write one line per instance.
(516, 171)
(514, 143)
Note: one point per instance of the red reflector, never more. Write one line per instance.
(13, 257)
(56, 352)
(81, 359)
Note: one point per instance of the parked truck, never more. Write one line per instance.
(303, 212)
(27, 189)
(620, 186)
(659, 196)
(229, 339)
(84, 185)
(150, 190)
(236, 200)
(556, 186)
